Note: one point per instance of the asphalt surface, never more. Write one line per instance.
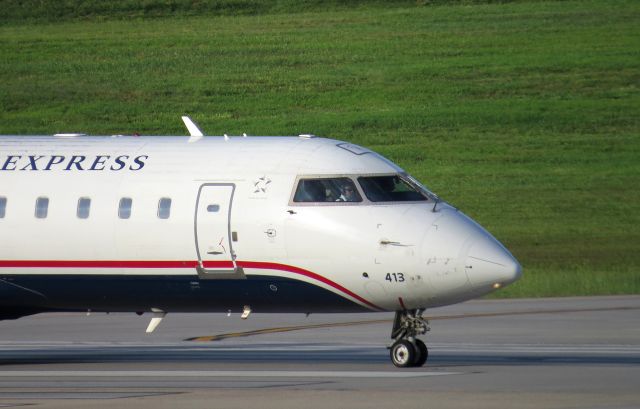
(544, 353)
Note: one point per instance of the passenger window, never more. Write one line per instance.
(326, 190)
(84, 207)
(164, 208)
(389, 189)
(124, 208)
(42, 207)
(3, 207)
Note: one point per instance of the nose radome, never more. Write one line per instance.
(490, 263)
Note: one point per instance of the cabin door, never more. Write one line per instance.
(214, 238)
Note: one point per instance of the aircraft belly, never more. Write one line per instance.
(176, 294)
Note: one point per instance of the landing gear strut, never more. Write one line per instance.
(406, 350)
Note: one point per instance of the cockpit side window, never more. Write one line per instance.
(389, 188)
(324, 190)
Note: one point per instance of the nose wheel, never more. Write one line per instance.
(407, 350)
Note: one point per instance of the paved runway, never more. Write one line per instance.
(547, 353)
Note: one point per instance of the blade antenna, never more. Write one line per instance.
(194, 131)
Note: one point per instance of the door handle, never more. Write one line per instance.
(385, 242)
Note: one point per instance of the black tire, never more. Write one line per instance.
(422, 353)
(403, 353)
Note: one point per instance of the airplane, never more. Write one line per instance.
(297, 224)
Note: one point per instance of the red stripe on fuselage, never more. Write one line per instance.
(168, 264)
(97, 264)
(306, 273)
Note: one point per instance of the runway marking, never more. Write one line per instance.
(77, 395)
(532, 312)
(8, 350)
(534, 348)
(221, 374)
(209, 338)
(283, 329)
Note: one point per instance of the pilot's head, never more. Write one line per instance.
(347, 192)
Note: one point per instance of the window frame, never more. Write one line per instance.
(121, 214)
(161, 210)
(80, 208)
(299, 178)
(42, 211)
(408, 179)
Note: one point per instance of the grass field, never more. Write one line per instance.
(523, 114)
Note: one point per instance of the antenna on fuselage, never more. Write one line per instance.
(194, 131)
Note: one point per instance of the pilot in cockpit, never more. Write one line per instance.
(347, 193)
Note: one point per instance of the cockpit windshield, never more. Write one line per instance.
(390, 188)
(340, 189)
(398, 187)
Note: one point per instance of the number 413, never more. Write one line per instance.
(395, 277)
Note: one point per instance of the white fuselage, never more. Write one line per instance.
(213, 225)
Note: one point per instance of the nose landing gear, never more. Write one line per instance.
(408, 351)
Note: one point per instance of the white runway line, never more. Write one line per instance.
(220, 374)
(435, 347)
(545, 349)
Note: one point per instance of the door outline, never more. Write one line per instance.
(236, 272)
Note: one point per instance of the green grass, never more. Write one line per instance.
(525, 114)
(60, 10)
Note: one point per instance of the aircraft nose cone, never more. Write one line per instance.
(490, 263)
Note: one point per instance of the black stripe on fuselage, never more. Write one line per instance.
(166, 292)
